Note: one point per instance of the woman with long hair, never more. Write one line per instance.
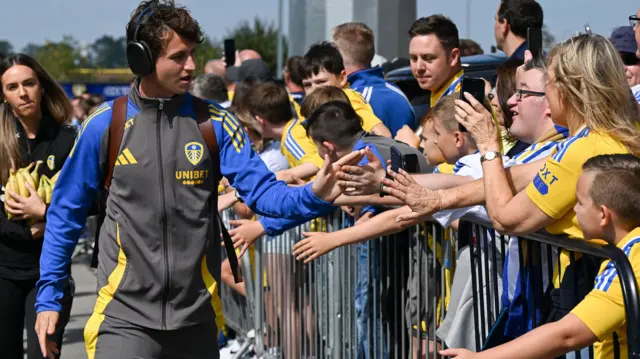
(505, 88)
(34, 112)
(587, 93)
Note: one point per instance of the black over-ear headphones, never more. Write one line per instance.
(141, 60)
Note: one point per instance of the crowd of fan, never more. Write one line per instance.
(552, 147)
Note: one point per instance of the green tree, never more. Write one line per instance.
(59, 58)
(548, 40)
(5, 47)
(31, 49)
(260, 36)
(109, 52)
(206, 51)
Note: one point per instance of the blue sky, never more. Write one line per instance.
(86, 20)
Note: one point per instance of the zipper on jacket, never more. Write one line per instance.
(163, 219)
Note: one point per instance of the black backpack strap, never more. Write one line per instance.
(201, 109)
(116, 130)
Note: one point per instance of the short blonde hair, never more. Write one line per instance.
(356, 43)
(590, 79)
(445, 111)
(427, 117)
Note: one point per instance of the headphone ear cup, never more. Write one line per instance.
(150, 59)
(140, 58)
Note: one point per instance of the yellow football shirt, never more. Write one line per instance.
(444, 168)
(602, 310)
(297, 147)
(363, 109)
(553, 189)
(450, 87)
(296, 107)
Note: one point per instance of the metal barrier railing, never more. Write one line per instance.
(557, 273)
(407, 295)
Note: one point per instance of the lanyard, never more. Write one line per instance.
(452, 87)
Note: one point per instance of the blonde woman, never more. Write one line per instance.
(587, 93)
(34, 111)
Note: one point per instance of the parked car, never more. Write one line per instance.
(474, 66)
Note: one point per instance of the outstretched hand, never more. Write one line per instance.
(458, 353)
(362, 180)
(423, 202)
(289, 178)
(245, 234)
(326, 184)
(314, 245)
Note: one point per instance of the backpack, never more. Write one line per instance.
(116, 131)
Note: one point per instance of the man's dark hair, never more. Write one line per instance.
(269, 101)
(324, 55)
(295, 69)
(241, 93)
(616, 184)
(469, 47)
(335, 122)
(210, 87)
(86, 105)
(158, 18)
(439, 25)
(538, 63)
(97, 99)
(521, 15)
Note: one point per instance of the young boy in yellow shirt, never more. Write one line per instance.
(324, 67)
(608, 207)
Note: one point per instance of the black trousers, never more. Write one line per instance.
(17, 312)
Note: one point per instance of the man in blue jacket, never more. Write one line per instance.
(355, 41)
(159, 265)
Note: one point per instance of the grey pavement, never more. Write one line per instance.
(83, 302)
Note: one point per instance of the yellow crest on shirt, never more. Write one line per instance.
(51, 162)
(193, 150)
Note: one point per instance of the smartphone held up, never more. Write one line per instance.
(229, 52)
(474, 87)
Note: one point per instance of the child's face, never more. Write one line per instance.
(428, 143)
(589, 215)
(446, 142)
(323, 78)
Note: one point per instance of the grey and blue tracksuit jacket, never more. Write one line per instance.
(159, 258)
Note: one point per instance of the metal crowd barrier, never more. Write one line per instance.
(410, 294)
(556, 272)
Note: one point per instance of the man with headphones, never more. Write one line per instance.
(159, 250)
